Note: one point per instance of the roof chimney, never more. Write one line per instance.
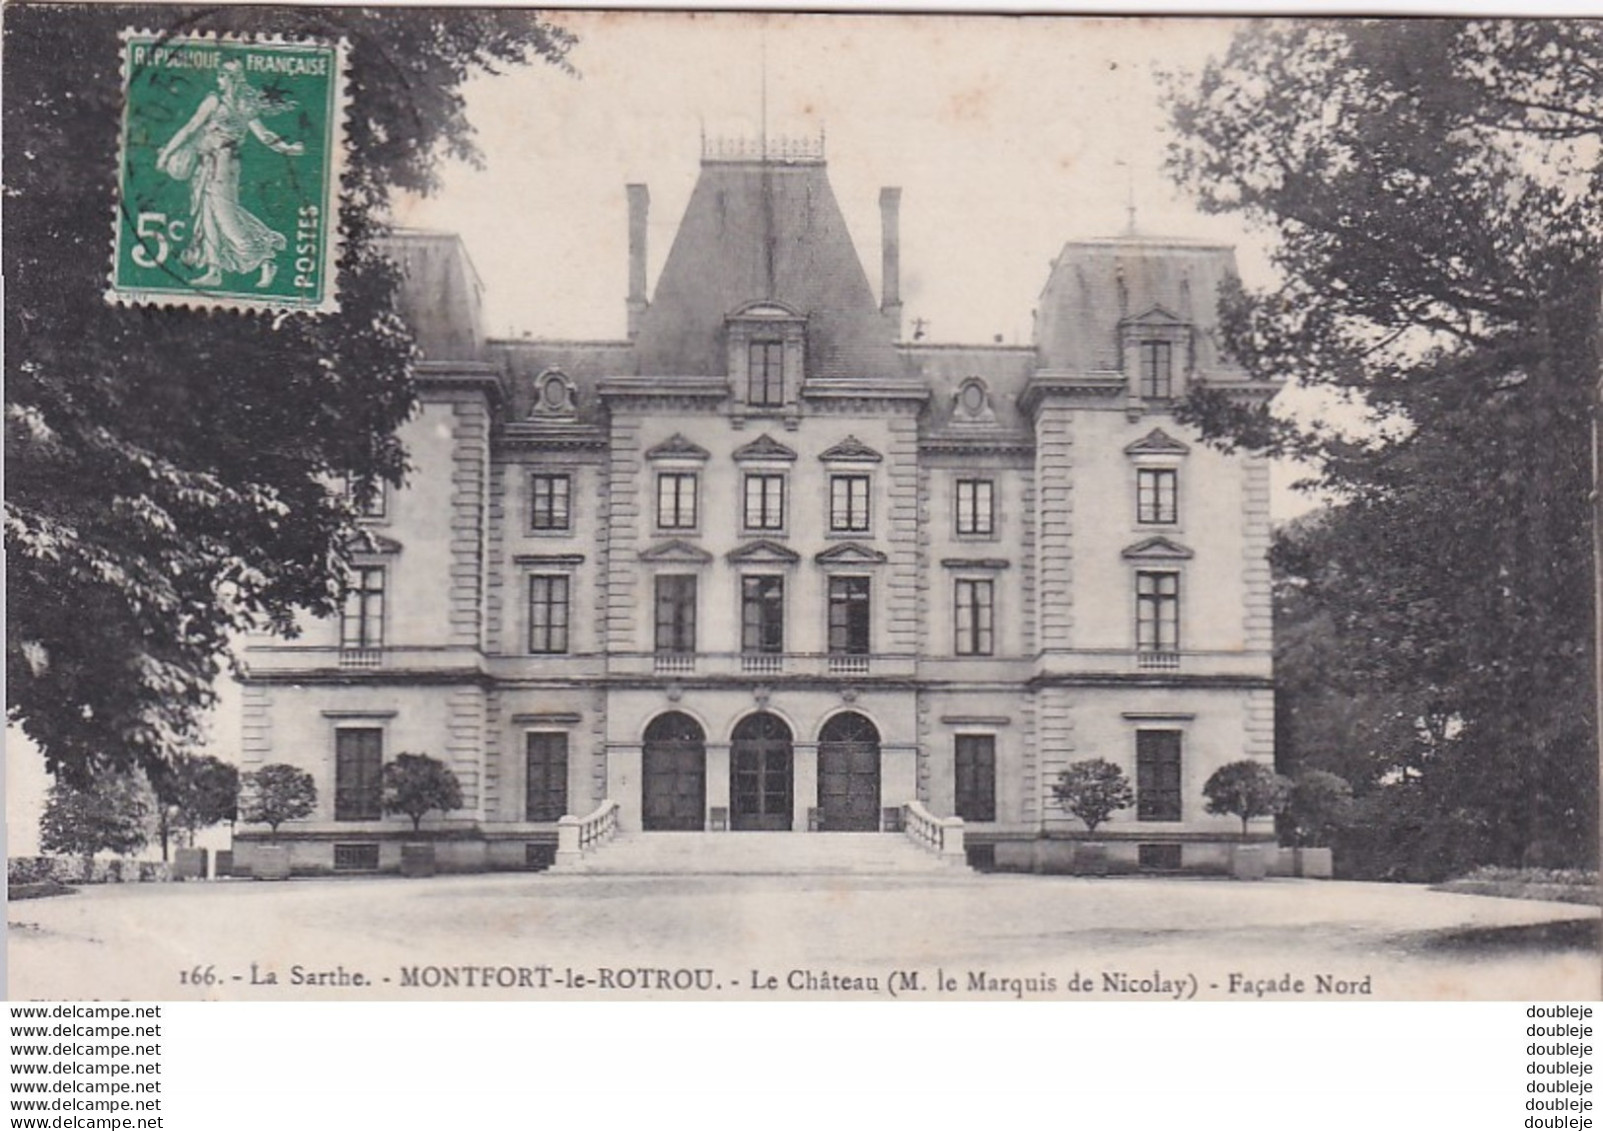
(890, 286)
(639, 207)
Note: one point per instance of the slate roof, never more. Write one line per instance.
(757, 230)
(441, 296)
(1096, 284)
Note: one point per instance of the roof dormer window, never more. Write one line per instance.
(767, 352)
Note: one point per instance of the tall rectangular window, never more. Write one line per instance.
(973, 611)
(848, 616)
(546, 780)
(1157, 611)
(550, 508)
(676, 500)
(358, 769)
(765, 374)
(548, 612)
(1157, 775)
(976, 777)
(1157, 369)
(362, 617)
(762, 614)
(765, 502)
(848, 504)
(676, 614)
(1156, 494)
(976, 507)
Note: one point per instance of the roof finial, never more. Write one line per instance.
(1129, 196)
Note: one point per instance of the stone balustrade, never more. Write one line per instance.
(941, 835)
(579, 835)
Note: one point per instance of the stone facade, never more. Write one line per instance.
(765, 564)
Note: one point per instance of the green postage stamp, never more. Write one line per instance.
(228, 175)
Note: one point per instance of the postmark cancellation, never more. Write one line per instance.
(228, 173)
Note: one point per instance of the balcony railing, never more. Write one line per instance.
(762, 663)
(1157, 661)
(361, 657)
(674, 663)
(843, 664)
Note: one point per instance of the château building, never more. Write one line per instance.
(764, 563)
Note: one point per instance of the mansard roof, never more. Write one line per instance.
(764, 447)
(1098, 286)
(764, 230)
(440, 297)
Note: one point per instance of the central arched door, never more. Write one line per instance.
(673, 779)
(848, 775)
(761, 770)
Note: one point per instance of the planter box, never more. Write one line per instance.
(1090, 859)
(1315, 863)
(417, 860)
(270, 862)
(225, 862)
(1248, 862)
(189, 864)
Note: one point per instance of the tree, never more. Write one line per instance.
(275, 794)
(172, 476)
(1318, 805)
(1093, 790)
(1437, 215)
(416, 783)
(197, 793)
(1246, 789)
(113, 815)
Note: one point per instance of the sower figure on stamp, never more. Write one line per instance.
(223, 235)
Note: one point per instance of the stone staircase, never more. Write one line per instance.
(759, 854)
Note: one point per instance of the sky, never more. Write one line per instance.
(1008, 136)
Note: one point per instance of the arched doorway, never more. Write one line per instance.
(761, 773)
(848, 775)
(673, 779)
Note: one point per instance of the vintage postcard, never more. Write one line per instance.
(828, 553)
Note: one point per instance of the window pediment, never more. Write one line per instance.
(1157, 549)
(764, 552)
(1156, 443)
(850, 553)
(1155, 318)
(764, 447)
(677, 550)
(677, 447)
(850, 450)
(368, 542)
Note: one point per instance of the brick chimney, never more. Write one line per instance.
(639, 207)
(890, 287)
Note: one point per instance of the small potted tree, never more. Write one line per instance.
(1093, 790)
(270, 796)
(1247, 790)
(415, 784)
(1319, 805)
(195, 794)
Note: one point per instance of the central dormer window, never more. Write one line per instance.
(767, 353)
(765, 375)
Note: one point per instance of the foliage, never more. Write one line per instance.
(194, 793)
(112, 815)
(275, 794)
(1093, 790)
(170, 474)
(416, 783)
(1318, 805)
(1436, 207)
(1246, 789)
